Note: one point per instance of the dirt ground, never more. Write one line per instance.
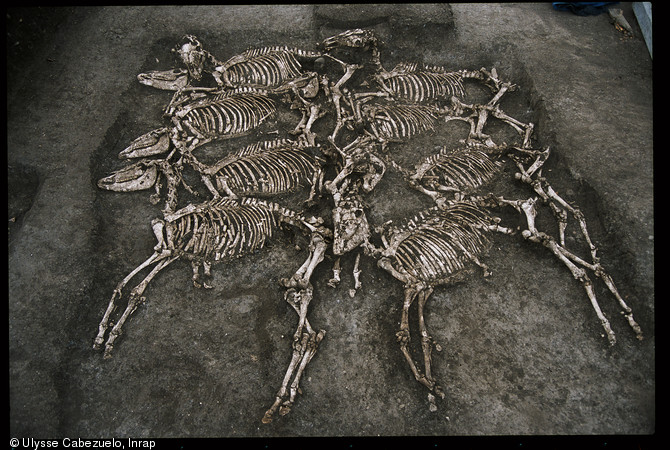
(522, 350)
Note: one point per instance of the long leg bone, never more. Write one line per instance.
(133, 301)
(357, 277)
(305, 339)
(427, 345)
(561, 208)
(479, 117)
(421, 292)
(575, 264)
(304, 348)
(435, 247)
(302, 276)
(104, 323)
(336, 93)
(578, 273)
(333, 282)
(158, 256)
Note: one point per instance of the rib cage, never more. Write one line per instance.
(400, 121)
(233, 113)
(420, 85)
(266, 67)
(459, 169)
(437, 243)
(266, 168)
(224, 229)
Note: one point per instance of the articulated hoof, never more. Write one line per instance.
(431, 403)
(284, 409)
(97, 343)
(267, 418)
(437, 391)
(108, 353)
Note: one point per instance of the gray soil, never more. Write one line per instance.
(522, 350)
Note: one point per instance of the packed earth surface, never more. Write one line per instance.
(522, 351)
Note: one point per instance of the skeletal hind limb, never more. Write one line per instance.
(479, 116)
(305, 339)
(480, 113)
(488, 78)
(300, 279)
(160, 253)
(575, 264)
(561, 208)
(104, 323)
(414, 290)
(421, 294)
(134, 300)
(305, 343)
